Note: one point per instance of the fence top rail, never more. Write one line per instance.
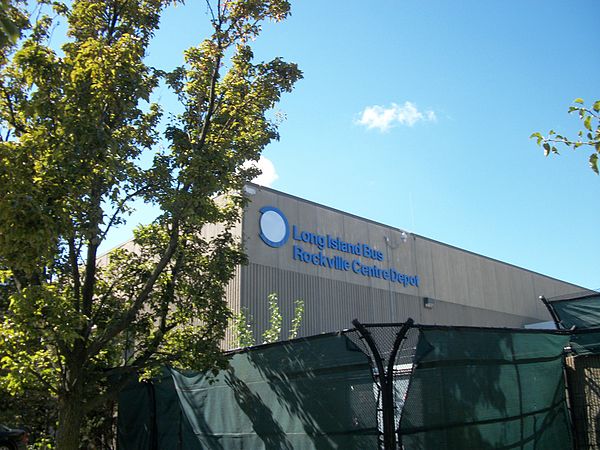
(467, 327)
(414, 325)
(298, 339)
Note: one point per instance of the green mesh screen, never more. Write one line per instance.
(314, 393)
(486, 389)
(135, 417)
(581, 315)
(585, 342)
(583, 312)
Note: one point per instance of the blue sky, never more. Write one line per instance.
(418, 115)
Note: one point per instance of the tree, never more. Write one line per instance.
(590, 137)
(75, 128)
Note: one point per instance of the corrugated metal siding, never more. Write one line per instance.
(331, 304)
(233, 295)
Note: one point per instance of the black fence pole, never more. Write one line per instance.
(390, 370)
(551, 311)
(387, 400)
(569, 396)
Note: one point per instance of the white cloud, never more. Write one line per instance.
(383, 118)
(268, 175)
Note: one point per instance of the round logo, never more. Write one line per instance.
(274, 229)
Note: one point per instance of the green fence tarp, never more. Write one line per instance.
(581, 313)
(150, 417)
(486, 389)
(585, 342)
(314, 393)
(135, 417)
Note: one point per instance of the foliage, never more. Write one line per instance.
(272, 333)
(242, 329)
(12, 20)
(590, 137)
(242, 324)
(32, 410)
(75, 127)
(297, 320)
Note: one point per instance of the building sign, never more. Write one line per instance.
(328, 251)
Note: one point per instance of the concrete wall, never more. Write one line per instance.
(468, 289)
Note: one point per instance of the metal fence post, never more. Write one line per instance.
(386, 379)
(389, 437)
(390, 371)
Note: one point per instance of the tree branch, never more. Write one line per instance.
(568, 142)
(13, 120)
(129, 371)
(41, 380)
(75, 272)
(92, 250)
(119, 210)
(123, 322)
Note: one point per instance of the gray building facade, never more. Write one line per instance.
(345, 267)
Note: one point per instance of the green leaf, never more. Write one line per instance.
(594, 162)
(588, 123)
(596, 106)
(546, 148)
(578, 100)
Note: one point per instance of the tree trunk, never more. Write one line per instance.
(70, 419)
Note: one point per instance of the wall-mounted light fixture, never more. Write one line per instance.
(403, 237)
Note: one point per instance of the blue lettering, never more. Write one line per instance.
(369, 252)
(331, 242)
(338, 262)
(297, 252)
(306, 257)
(295, 233)
(366, 251)
(308, 237)
(321, 241)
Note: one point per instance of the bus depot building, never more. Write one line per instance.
(345, 267)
